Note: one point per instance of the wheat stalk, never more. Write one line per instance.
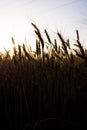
(63, 44)
(82, 52)
(38, 49)
(55, 44)
(48, 37)
(37, 31)
(19, 48)
(40, 38)
(26, 53)
(77, 33)
(14, 46)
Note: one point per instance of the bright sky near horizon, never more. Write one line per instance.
(64, 16)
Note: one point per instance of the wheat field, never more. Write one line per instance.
(42, 85)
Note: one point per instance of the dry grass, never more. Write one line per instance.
(34, 89)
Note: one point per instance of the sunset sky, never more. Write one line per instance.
(64, 16)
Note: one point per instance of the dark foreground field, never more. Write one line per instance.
(51, 88)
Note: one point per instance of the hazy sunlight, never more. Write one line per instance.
(65, 16)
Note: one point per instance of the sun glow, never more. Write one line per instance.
(16, 17)
(16, 29)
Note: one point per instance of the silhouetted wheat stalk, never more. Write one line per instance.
(64, 46)
(14, 46)
(77, 33)
(37, 31)
(26, 53)
(68, 44)
(7, 56)
(55, 45)
(20, 53)
(48, 37)
(38, 49)
(57, 50)
(82, 52)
